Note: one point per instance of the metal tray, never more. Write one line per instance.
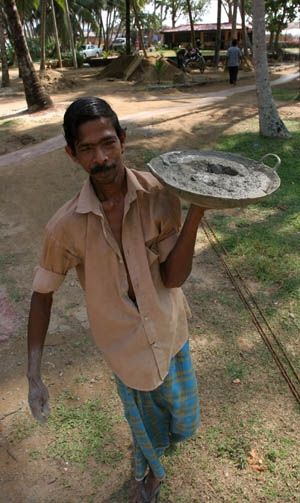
(216, 179)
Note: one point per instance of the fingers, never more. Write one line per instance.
(46, 411)
(40, 409)
(38, 402)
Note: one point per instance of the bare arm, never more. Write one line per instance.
(178, 265)
(39, 317)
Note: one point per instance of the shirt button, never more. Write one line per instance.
(146, 318)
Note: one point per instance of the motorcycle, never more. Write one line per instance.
(193, 60)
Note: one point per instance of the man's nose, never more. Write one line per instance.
(100, 155)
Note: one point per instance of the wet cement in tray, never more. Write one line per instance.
(213, 176)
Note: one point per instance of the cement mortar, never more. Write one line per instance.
(225, 178)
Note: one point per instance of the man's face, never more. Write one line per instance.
(99, 150)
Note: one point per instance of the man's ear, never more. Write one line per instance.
(70, 153)
(122, 139)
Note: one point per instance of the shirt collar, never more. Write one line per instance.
(88, 201)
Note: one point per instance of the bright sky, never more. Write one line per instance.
(209, 16)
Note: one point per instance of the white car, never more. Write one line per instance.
(119, 43)
(90, 51)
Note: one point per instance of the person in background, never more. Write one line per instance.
(234, 57)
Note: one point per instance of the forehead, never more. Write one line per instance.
(95, 129)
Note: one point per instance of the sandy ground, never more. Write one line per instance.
(74, 370)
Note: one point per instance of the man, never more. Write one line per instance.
(233, 61)
(122, 234)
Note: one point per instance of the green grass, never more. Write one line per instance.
(149, 154)
(228, 444)
(8, 122)
(235, 370)
(7, 261)
(264, 242)
(82, 432)
(236, 449)
(283, 94)
(23, 427)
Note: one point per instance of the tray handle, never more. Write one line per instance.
(278, 160)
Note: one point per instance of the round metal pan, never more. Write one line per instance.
(216, 179)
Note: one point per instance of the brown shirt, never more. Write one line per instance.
(137, 339)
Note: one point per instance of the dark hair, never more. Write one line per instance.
(234, 42)
(87, 109)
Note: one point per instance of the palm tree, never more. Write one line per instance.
(70, 32)
(218, 34)
(36, 96)
(43, 8)
(270, 123)
(137, 5)
(233, 22)
(127, 26)
(4, 62)
(57, 43)
(244, 31)
(189, 9)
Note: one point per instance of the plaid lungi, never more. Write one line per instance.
(168, 414)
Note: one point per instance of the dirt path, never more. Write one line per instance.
(165, 105)
(248, 447)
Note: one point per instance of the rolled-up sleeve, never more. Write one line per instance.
(55, 262)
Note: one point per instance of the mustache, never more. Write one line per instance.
(101, 168)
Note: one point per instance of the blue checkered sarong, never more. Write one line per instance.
(168, 414)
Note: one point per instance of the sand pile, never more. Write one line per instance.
(54, 81)
(146, 70)
(247, 64)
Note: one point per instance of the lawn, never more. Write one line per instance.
(264, 240)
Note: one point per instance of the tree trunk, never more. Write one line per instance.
(234, 16)
(4, 63)
(137, 20)
(36, 96)
(70, 33)
(218, 34)
(127, 25)
(270, 124)
(43, 8)
(276, 41)
(193, 38)
(244, 31)
(56, 35)
(228, 9)
(271, 41)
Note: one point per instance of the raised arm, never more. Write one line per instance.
(178, 265)
(39, 317)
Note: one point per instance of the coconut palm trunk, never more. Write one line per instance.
(138, 25)
(270, 123)
(56, 35)
(36, 96)
(127, 25)
(4, 62)
(189, 8)
(70, 33)
(43, 8)
(244, 31)
(218, 34)
(234, 16)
